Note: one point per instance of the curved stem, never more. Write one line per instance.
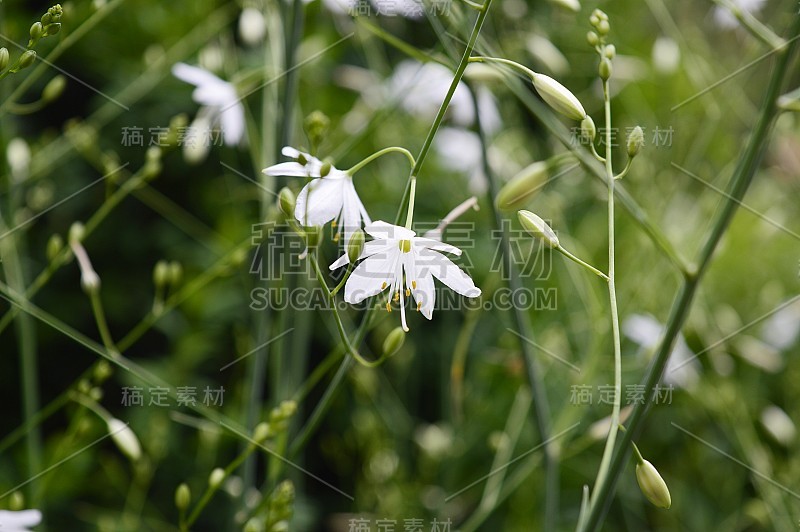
(380, 153)
(582, 263)
(513, 64)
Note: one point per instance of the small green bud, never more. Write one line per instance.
(183, 496)
(610, 51)
(604, 69)
(52, 29)
(4, 57)
(76, 232)
(54, 246)
(603, 27)
(26, 59)
(588, 129)
(153, 154)
(592, 38)
(216, 477)
(355, 246)
(594, 20)
(537, 228)
(599, 14)
(46, 19)
(55, 12)
(54, 88)
(37, 31)
(313, 235)
(558, 97)
(161, 274)
(125, 439)
(16, 502)
(635, 141)
(102, 371)
(652, 485)
(95, 394)
(316, 126)
(523, 186)
(325, 169)
(286, 202)
(261, 432)
(393, 342)
(175, 273)
(253, 525)
(287, 409)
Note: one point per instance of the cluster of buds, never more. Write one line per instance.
(280, 507)
(597, 40)
(278, 422)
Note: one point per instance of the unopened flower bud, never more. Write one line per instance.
(90, 281)
(125, 439)
(592, 38)
(183, 497)
(216, 477)
(76, 232)
(523, 186)
(604, 69)
(316, 126)
(635, 141)
(603, 27)
(393, 342)
(610, 51)
(16, 501)
(54, 88)
(355, 246)
(52, 29)
(558, 97)
(287, 409)
(652, 485)
(102, 371)
(54, 246)
(46, 19)
(37, 30)
(287, 201)
(4, 56)
(537, 228)
(588, 129)
(55, 12)
(261, 432)
(161, 274)
(175, 273)
(26, 59)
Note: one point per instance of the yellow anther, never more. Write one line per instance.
(383, 286)
(397, 296)
(408, 292)
(414, 285)
(388, 307)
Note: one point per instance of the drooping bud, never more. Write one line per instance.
(26, 59)
(604, 69)
(537, 228)
(603, 27)
(523, 186)
(635, 141)
(16, 501)
(588, 129)
(652, 485)
(558, 97)
(216, 477)
(125, 439)
(286, 201)
(183, 497)
(54, 246)
(4, 57)
(355, 246)
(90, 281)
(393, 342)
(54, 88)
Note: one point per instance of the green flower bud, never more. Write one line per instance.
(95, 394)
(610, 51)
(216, 477)
(537, 228)
(37, 31)
(253, 525)
(604, 69)
(592, 38)
(594, 20)
(161, 274)
(393, 342)
(262, 432)
(635, 141)
(54, 88)
(588, 129)
(4, 57)
(102, 371)
(286, 202)
(183, 496)
(153, 154)
(76, 232)
(599, 14)
(54, 246)
(26, 59)
(287, 409)
(652, 485)
(46, 19)
(316, 126)
(175, 273)
(52, 29)
(325, 169)
(603, 27)
(16, 502)
(313, 236)
(558, 97)
(125, 439)
(355, 246)
(523, 186)
(55, 12)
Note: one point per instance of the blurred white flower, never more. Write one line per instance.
(779, 425)
(18, 155)
(682, 367)
(333, 195)
(252, 26)
(725, 19)
(666, 56)
(396, 251)
(220, 105)
(782, 329)
(20, 521)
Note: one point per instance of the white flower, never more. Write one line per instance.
(333, 195)
(20, 521)
(725, 19)
(220, 105)
(252, 26)
(396, 251)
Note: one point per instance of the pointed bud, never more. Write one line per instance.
(652, 485)
(216, 477)
(558, 97)
(37, 30)
(54, 88)
(635, 141)
(26, 59)
(588, 129)
(183, 497)
(4, 57)
(286, 202)
(523, 186)
(125, 439)
(604, 69)
(537, 228)
(393, 342)
(54, 246)
(355, 246)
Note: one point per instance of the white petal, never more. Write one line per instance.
(371, 277)
(351, 215)
(19, 520)
(292, 169)
(446, 271)
(195, 75)
(324, 205)
(430, 243)
(338, 263)
(381, 230)
(232, 119)
(425, 292)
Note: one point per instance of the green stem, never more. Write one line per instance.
(411, 196)
(582, 263)
(384, 151)
(513, 64)
(211, 490)
(740, 181)
(102, 325)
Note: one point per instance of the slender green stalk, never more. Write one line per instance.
(585, 264)
(380, 153)
(100, 318)
(740, 181)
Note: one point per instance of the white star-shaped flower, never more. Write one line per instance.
(406, 264)
(20, 521)
(220, 104)
(326, 198)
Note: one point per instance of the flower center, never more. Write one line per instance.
(405, 246)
